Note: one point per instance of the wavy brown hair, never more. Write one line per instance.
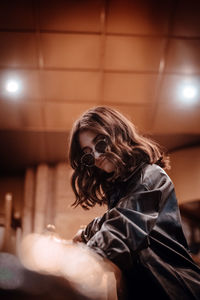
(127, 149)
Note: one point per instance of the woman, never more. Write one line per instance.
(141, 231)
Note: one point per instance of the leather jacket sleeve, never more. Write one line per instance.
(123, 231)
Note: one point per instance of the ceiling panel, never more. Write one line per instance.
(30, 148)
(173, 141)
(183, 56)
(17, 14)
(141, 116)
(20, 115)
(61, 116)
(133, 53)
(186, 18)
(9, 115)
(177, 119)
(31, 116)
(18, 49)
(70, 86)
(71, 50)
(68, 56)
(138, 17)
(71, 15)
(129, 88)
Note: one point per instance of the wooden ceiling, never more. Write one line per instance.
(69, 56)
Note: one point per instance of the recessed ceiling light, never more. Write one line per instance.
(12, 86)
(189, 92)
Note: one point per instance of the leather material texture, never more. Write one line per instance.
(142, 234)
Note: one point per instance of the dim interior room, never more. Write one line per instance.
(60, 58)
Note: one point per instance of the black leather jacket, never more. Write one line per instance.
(142, 234)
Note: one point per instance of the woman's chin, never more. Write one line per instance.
(108, 167)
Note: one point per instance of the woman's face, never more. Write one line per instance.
(88, 140)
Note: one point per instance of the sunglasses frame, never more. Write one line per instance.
(92, 153)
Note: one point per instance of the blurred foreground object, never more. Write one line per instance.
(10, 226)
(87, 274)
(8, 214)
(19, 283)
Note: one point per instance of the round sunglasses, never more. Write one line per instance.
(88, 159)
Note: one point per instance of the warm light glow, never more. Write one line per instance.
(12, 86)
(189, 92)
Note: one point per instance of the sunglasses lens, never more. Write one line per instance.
(88, 160)
(101, 146)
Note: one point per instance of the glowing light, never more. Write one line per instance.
(189, 92)
(12, 86)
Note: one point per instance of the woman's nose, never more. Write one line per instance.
(96, 154)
